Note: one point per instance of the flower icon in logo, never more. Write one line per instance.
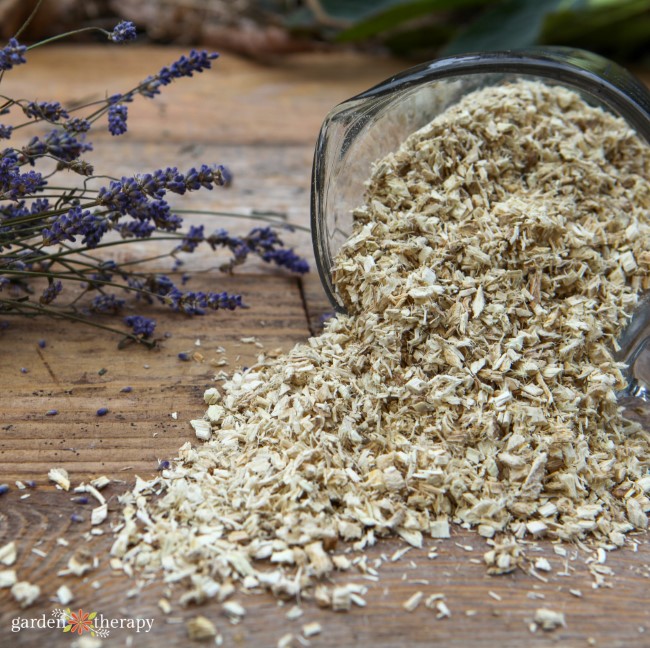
(79, 622)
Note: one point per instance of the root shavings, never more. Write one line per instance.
(496, 259)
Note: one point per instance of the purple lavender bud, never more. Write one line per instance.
(123, 32)
(141, 325)
(102, 411)
(49, 110)
(12, 54)
(117, 119)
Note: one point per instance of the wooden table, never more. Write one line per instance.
(261, 121)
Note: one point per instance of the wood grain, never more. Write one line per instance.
(261, 121)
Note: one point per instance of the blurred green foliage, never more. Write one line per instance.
(422, 29)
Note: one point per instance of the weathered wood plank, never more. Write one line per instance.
(500, 608)
(139, 428)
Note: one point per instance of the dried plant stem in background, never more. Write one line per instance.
(495, 261)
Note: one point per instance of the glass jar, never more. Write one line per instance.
(365, 128)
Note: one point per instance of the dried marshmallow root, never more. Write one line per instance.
(25, 593)
(8, 554)
(548, 619)
(311, 629)
(64, 595)
(199, 628)
(496, 257)
(202, 428)
(7, 578)
(60, 477)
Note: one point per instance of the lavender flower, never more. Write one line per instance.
(106, 304)
(185, 66)
(12, 54)
(77, 125)
(13, 183)
(286, 259)
(192, 239)
(51, 292)
(123, 32)
(261, 241)
(76, 222)
(136, 229)
(128, 208)
(59, 144)
(117, 119)
(142, 326)
(50, 111)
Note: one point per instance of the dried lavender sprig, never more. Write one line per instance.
(123, 32)
(29, 224)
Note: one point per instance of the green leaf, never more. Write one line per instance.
(67, 628)
(92, 615)
(567, 25)
(401, 12)
(621, 40)
(421, 42)
(512, 24)
(355, 10)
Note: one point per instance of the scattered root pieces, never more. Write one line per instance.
(7, 578)
(286, 641)
(547, 620)
(234, 610)
(343, 596)
(25, 593)
(64, 595)
(436, 602)
(100, 482)
(8, 554)
(413, 601)
(60, 477)
(79, 563)
(311, 629)
(165, 606)
(202, 429)
(495, 260)
(200, 628)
